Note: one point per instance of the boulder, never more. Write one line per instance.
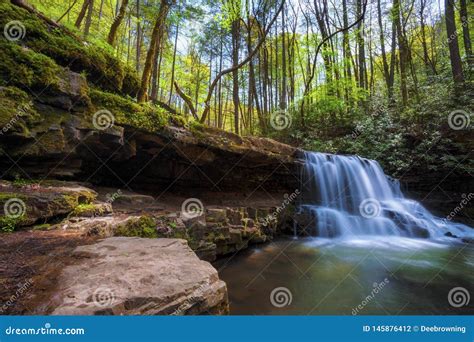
(136, 276)
(29, 202)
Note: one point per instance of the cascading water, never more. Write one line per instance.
(349, 195)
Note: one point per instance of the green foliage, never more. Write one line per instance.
(8, 224)
(144, 227)
(414, 138)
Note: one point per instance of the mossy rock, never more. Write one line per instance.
(43, 44)
(16, 112)
(92, 210)
(145, 227)
(128, 112)
(39, 203)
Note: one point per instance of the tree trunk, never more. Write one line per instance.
(235, 73)
(465, 32)
(156, 36)
(117, 22)
(82, 13)
(386, 71)
(361, 44)
(402, 52)
(455, 57)
(139, 38)
(173, 63)
(88, 18)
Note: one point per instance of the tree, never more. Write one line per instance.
(117, 22)
(465, 32)
(158, 31)
(455, 57)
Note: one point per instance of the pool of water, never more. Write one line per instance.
(362, 276)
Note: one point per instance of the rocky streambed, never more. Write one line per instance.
(77, 249)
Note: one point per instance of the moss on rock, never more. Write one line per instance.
(43, 44)
(144, 226)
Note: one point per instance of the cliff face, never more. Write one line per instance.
(65, 113)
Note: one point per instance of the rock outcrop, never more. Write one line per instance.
(25, 204)
(135, 276)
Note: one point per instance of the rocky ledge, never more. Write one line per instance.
(136, 276)
(137, 254)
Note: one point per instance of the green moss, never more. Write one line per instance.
(42, 227)
(89, 209)
(9, 224)
(144, 227)
(21, 182)
(5, 196)
(16, 111)
(68, 202)
(83, 208)
(98, 61)
(26, 68)
(128, 112)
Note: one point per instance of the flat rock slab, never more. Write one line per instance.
(138, 276)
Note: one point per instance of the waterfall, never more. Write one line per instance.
(349, 195)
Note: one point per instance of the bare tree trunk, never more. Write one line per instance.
(361, 42)
(455, 57)
(139, 38)
(173, 64)
(89, 18)
(82, 13)
(402, 51)
(386, 71)
(465, 32)
(235, 72)
(156, 36)
(117, 22)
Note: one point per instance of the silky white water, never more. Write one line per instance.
(351, 196)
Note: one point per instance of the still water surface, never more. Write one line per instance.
(367, 275)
